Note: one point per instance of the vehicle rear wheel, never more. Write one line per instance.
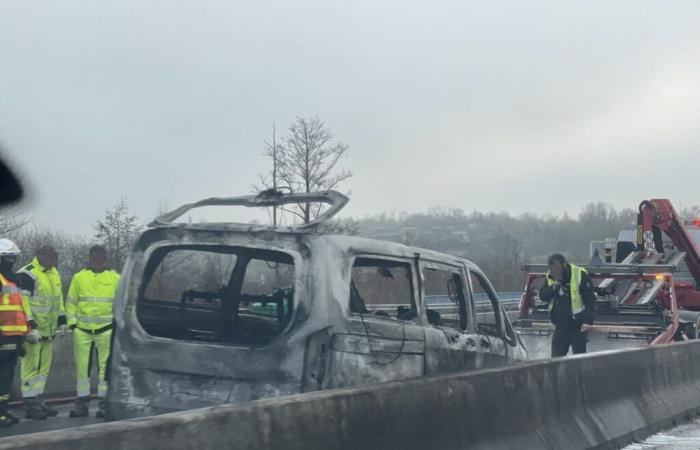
(691, 329)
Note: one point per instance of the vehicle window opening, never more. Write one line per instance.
(382, 288)
(231, 295)
(444, 298)
(485, 306)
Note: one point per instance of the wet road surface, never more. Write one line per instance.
(52, 423)
(539, 346)
(686, 437)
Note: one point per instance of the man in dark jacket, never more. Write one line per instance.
(569, 293)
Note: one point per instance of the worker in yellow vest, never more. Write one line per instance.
(45, 295)
(89, 310)
(569, 292)
(16, 325)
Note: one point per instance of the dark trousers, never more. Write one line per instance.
(8, 362)
(568, 337)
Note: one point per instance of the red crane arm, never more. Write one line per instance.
(660, 214)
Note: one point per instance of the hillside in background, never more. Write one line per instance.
(500, 243)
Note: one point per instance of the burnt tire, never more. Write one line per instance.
(691, 330)
(686, 332)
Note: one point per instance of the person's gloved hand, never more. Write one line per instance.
(62, 326)
(33, 336)
(62, 330)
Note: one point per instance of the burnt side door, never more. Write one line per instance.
(384, 339)
(488, 320)
(451, 343)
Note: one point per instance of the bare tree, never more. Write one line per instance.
(308, 162)
(117, 232)
(305, 161)
(270, 180)
(347, 225)
(72, 249)
(690, 212)
(11, 222)
(598, 212)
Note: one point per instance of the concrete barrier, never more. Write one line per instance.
(588, 401)
(61, 381)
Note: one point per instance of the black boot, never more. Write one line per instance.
(6, 419)
(5, 422)
(48, 410)
(33, 410)
(81, 408)
(100, 414)
(5, 411)
(12, 417)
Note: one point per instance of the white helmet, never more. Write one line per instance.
(7, 247)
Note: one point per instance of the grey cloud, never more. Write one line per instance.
(470, 104)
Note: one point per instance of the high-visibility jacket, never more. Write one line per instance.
(90, 298)
(14, 312)
(577, 305)
(45, 298)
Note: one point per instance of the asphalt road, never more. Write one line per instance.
(539, 346)
(53, 423)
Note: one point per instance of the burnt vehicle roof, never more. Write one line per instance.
(315, 230)
(350, 243)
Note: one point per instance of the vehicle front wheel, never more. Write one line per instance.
(686, 332)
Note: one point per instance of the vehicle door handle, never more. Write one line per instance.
(451, 338)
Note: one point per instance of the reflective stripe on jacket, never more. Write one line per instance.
(577, 305)
(13, 315)
(90, 298)
(47, 298)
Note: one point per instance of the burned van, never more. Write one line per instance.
(214, 313)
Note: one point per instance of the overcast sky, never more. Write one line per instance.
(495, 105)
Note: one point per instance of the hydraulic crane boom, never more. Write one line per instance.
(643, 294)
(658, 215)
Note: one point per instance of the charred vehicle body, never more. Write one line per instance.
(215, 313)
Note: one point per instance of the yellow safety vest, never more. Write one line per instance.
(47, 299)
(90, 298)
(577, 305)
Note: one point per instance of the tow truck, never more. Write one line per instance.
(650, 292)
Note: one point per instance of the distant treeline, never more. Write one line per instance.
(500, 243)
(116, 230)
